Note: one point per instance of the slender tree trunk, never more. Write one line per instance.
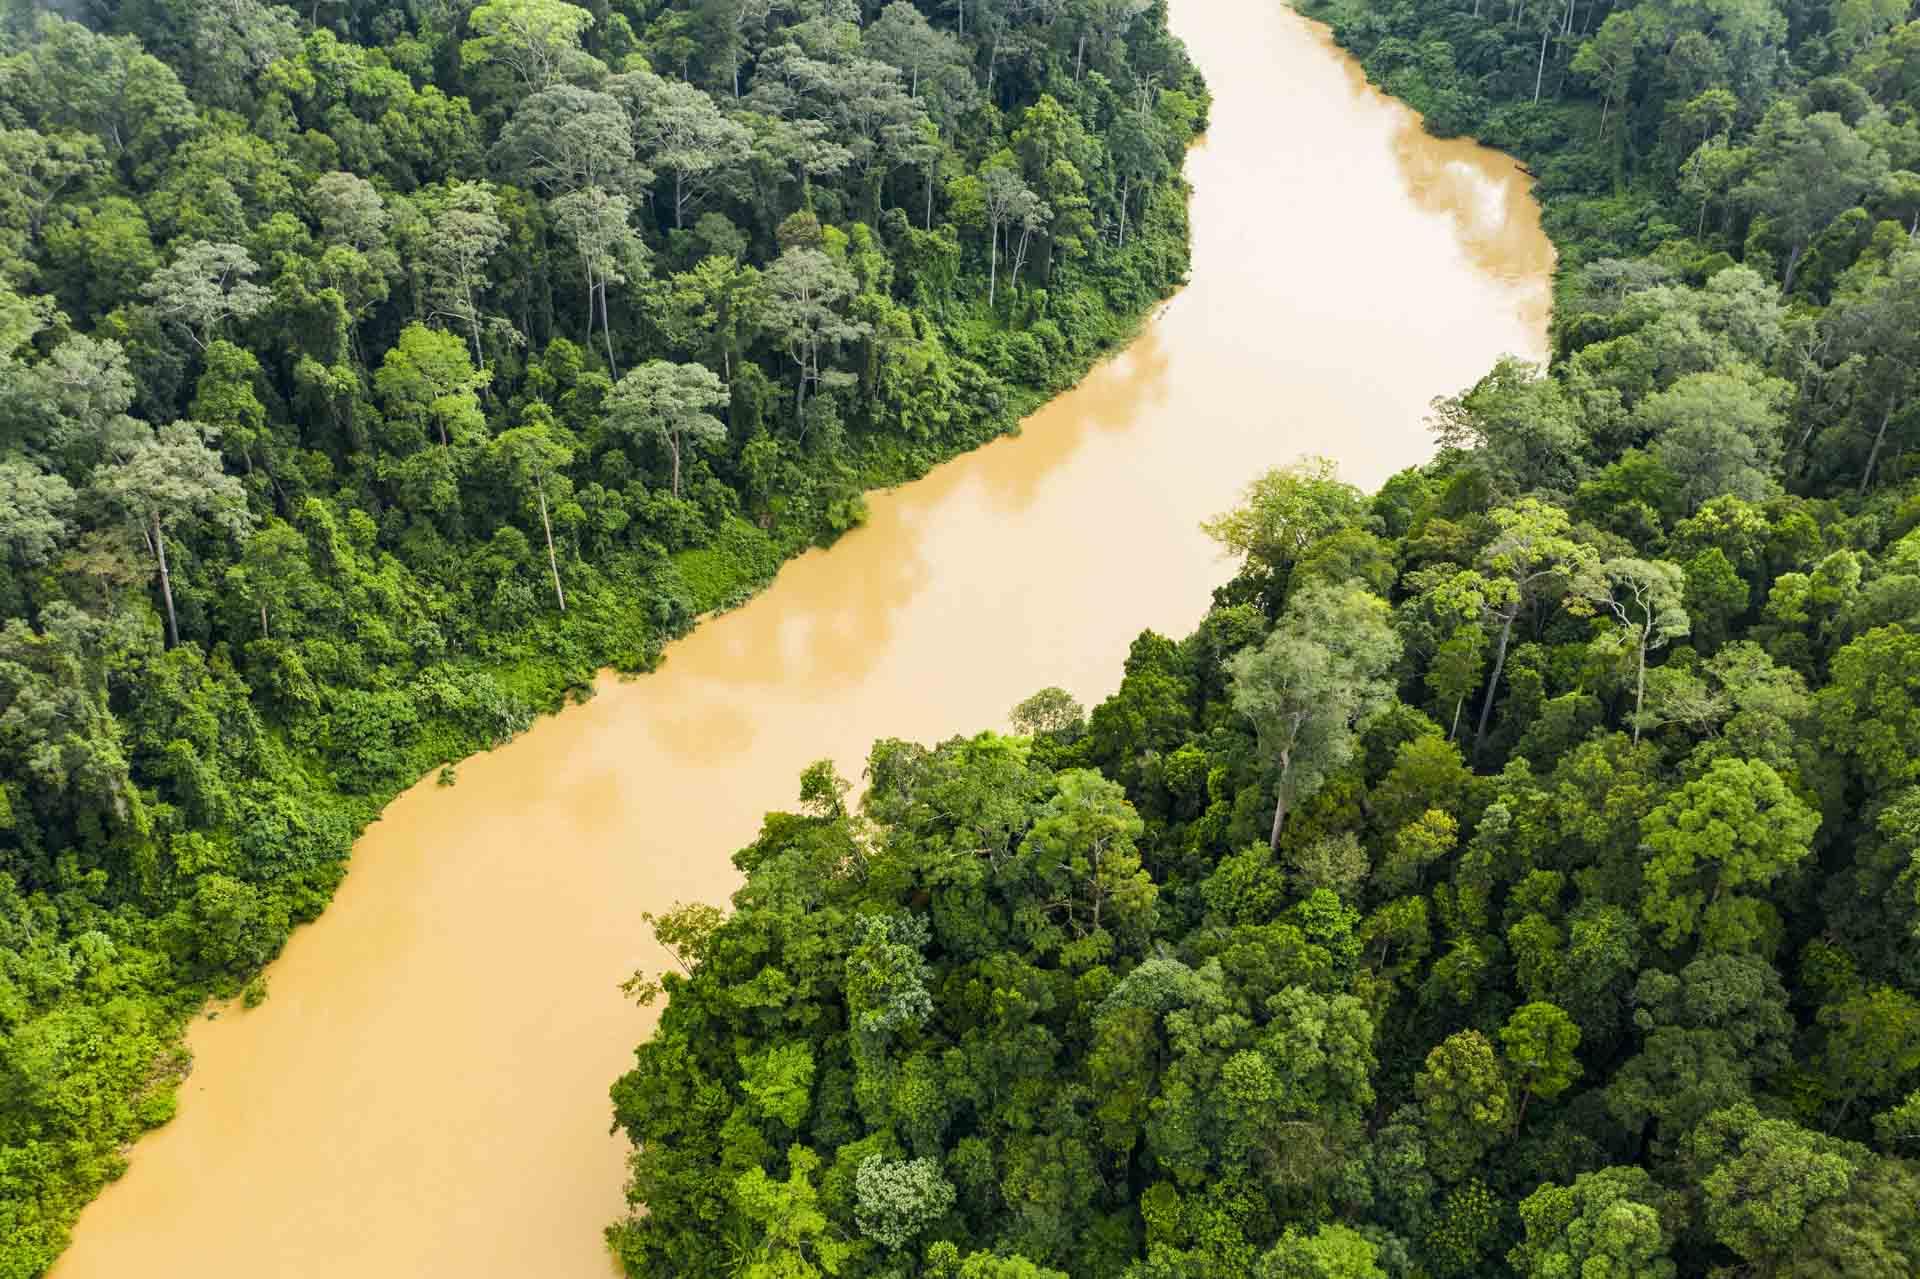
(1879, 438)
(1540, 72)
(606, 333)
(993, 262)
(1640, 685)
(1454, 730)
(473, 327)
(1280, 801)
(166, 583)
(591, 286)
(553, 561)
(1493, 685)
(1793, 265)
(673, 447)
(264, 632)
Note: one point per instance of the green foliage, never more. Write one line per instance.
(1762, 1177)
(313, 481)
(1606, 1225)
(1331, 1252)
(1538, 1043)
(1253, 970)
(897, 1199)
(1465, 1102)
(1735, 827)
(1309, 686)
(371, 375)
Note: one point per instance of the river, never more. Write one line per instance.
(425, 1090)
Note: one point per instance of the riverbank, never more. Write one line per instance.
(342, 754)
(425, 1086)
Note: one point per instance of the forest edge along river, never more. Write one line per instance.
(425, 1090)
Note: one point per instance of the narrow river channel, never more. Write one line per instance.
(425, 1091)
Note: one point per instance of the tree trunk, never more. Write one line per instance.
(1793, 265)
(1880, 438)
(1453, 731)
(553, 561)
(592, 286)
(606, 333)
(264, 632)
(1493, 684)
(1640, 686)
(993, 262)
(166, 583)
(479, 356)
(1280, 801)
(673, 447)
(1540, 72)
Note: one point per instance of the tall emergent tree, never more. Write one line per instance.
(159, 479)
(672, 403)
(1321, 672)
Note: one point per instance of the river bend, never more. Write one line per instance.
(425, 1091)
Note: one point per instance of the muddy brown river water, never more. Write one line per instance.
(425, 1091)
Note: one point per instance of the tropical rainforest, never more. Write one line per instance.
(1518, 870)
(371, 374)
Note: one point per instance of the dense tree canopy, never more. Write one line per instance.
(372, 373)
(1516, 872)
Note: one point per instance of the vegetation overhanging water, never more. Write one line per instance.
(1456, 214)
